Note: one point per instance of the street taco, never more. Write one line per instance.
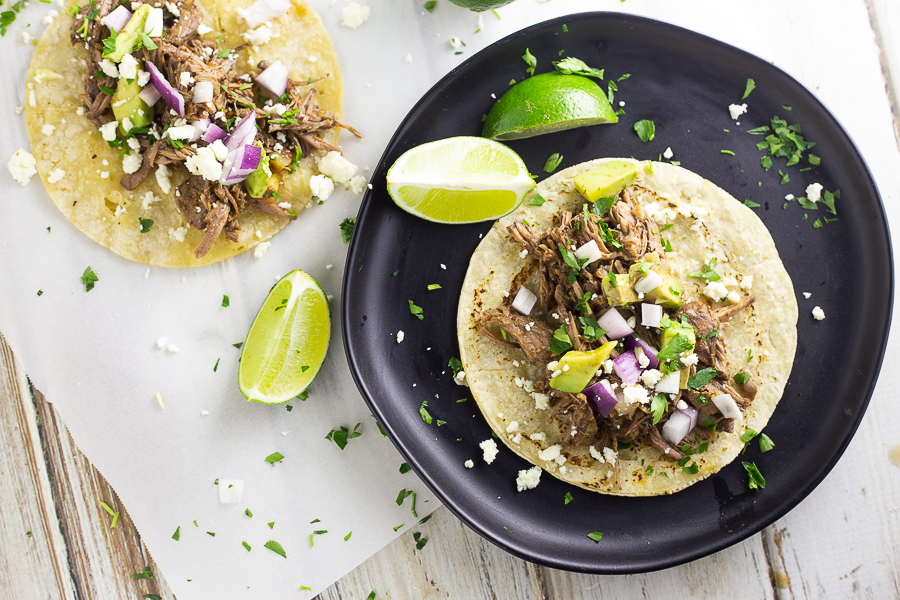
(656, 327)
(182, 133)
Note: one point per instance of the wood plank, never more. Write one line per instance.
(55, 493)
(885, 18)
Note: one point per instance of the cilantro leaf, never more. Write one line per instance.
(553, 161)
(659, 406)
(756, 479)
(343, 435)
(765, 443)
(530, 60)
(568, 497)
(741, 378)
(575, 66)
(748, 435)
(145, 574)
(751, 204)
(560, 343)
(701, 378)
(275, 547)
(146, 224)
(429, 6)
(405, 468)
(751, 85)
(536, 200)
(708, 273)
(402, 496)
(347, 227)
(423, 412)
(275, 457)
(416, 311)
(645, 129)
(674, 348)
(596, 536)
(89, 278)
(456, 365)
(177, 535)
(420, 541)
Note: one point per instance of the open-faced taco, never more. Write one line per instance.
(182, 133)
(626, 326)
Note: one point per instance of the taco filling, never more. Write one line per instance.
(167, 98)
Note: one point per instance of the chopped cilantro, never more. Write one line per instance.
(701, 378)
(560, 343)
(461, 400)
(756, 479)
(416, 311)
(741, 378)
(574, 66)
(765, 443)
(395, 529)
(347, 226)
(567, 498)
(347, 537)
(709, 272)
(423, 412)
(659, 406)
(395, 273)
(248, 513)
(342, 435)
(553, 161)
(177, 535)
(238, 345)
(247, 546)
(147, 42)
(674, 348)
(433, 286)
(750, 87)
(530, 60)
(289, 407)
(429, 6)
(667, 245)
(145, 574)
(402, 496)
(536, 200)
(751, 204)
(596, 536)
(225, 301)
(602, 205)
(420, 541)
(146, 224)
(645, 129)
(89, 278)
(275, 547)
(405, 468)
(727, 152)
(40, 292)
(691, 469)
(748, 435)
(272, 525)
(371, 595)
(275, 457)
(456, 365)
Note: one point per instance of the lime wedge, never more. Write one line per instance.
(547, 103)
(287, 342)
(459, 180)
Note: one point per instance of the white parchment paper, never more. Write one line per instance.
(94, 355)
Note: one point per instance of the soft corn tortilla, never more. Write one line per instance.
(499, 376)
(90, 200)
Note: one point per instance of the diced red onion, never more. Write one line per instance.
(524, 300)
(117, 19)
(590, 251)
(679, 425)
(274, 78)
(601, 397)
(648, 282)
(239, 164)
(632, 342)
(149, 94)
(243, 133)
(727, 406)
(265, 10)
(627, 367)
(169, 94)
(614, 324)
(154, 25)
(203, 92)
(213, 133)
(669, 384)
(651, 314)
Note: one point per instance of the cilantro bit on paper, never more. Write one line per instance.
(347, 226)
(420, 541)
(248, 513)
(225, 301)
(275, 457)
(275, 547)
(89, 278)
(342, 435)
(429, 6)
(246, 545)
(402, 496)
(405, 468)
(177, 535)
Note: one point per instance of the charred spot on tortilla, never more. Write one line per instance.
(593, 270)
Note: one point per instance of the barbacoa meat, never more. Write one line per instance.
(531, 335)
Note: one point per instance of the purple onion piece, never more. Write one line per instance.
(274, 79)
(149, 95)
(633, 341)
(266, 10)
(169, 94)
(117, 19)
(614, 324)
(243, 133)
(213, 133)
(601, 397)
(240, 163)
(693, 413)
(678, 426)
(627, 368)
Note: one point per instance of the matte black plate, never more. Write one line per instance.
(684, 82)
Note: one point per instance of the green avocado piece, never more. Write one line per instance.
(606, 180)
(130, 35)
(668, 295)
(258, 181)
(582, 368)
(133, 108)
(618, 290)
(684, 375)
(673, 329)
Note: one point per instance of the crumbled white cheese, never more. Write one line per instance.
(48, 18)
(818, 314)
(651, 377)
(261, 249)
(108, 130)
(128, 67)
(681, 405)
(550, 454)
(737, 110)
(180, 132)
(56, 176)
(456, 43)
(789, 197)
(489, 447)
(259, 36)
(337, 167)
(277, 109)
(541, 401)
(161, 342)
(408, 59)
(163, 179)
(513, 425)
(357, 184)
(642, 358)
(734, 297)
(172, 348)
(104, 174)
(635, 394)
(516, 438)
(177, 234)
(354, 15)
(48, 129)
(131, 163)
(204, 163)
(121, 210)
(608, 366)
(690, 360)
(814, 192)
(668, 154)
(807, 295)
(400, 336)
(203, 29)
(321, 186)
(460, 379)
(747, 282)
(109, 68)
(173, 9)
(528, 479)
(715, 290)
(134, 144)
(538, 437)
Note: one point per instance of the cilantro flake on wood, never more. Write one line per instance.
(145, 574)
(420, 541)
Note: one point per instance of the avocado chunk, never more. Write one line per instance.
(618, 290)
(257, 182)
(668, 295)
(582, 367)
(129, 36)
(673, 329)
(606, 180)
(684, 375)
(133, 108)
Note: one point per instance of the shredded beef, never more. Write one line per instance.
(580, 418)
(531, 335)
(210, 207)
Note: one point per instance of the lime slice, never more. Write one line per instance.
(547, 103)
(459, 180)
(287, 342)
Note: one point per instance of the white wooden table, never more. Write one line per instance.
(841, 542)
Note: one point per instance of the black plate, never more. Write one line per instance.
(684, 82)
